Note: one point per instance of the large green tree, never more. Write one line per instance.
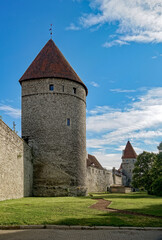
(142, 175)
(156, 175)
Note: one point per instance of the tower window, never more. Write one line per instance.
(74, 90)
(68, 121)
(51, 87)
(63, 88)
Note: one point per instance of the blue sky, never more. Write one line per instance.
(115, 46)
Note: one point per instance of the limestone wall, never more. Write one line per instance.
(118, 180)
(59, 149)
(16, 172)
(127, 169)
(120, 189)
(98, 180)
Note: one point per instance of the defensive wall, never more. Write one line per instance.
(16, 168)
(98, 180)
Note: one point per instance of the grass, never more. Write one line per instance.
(75, 211)
(136, 202)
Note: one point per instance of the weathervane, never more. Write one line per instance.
(50, 30)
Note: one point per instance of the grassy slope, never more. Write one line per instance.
(74, 211)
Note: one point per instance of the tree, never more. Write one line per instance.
(156, 175)
(142, 175)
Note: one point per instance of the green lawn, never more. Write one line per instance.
(136, 202)
(75, 211)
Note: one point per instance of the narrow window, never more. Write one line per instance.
(68, 121)
(74, 90)
(51, 87)
(63, 88)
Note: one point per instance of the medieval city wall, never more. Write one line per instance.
(16, 170)
(98, 180)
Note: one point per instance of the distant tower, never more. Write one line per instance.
(54, 123)
(160, 147)
(128, 160)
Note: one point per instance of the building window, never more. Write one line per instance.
(68, 121)
(74, 90)
(63, 88)
(51, 87)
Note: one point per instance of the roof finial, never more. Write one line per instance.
(50, 30)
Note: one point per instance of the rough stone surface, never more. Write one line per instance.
(127, 170)
(59, 150)
(16, 172)
(120, 189)
(98, 180)
(117, 179)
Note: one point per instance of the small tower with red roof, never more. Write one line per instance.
(54, 123)
(128, 160)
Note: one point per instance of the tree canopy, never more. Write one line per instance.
(147, 173)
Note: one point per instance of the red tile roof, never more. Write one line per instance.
(129, 151)
(50, 63)
(93, 162)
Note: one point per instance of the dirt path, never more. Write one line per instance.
(103, 204)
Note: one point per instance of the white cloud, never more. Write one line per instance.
(94, 84)
(144, 113)
(101, 109)
(73, 27)
(140, 122)
(115, 43)
(10, 111)
(108, 160)
(137, 20)
(118, 90)
(157, 56)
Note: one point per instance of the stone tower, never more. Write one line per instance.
(54, 123)
(128, 160)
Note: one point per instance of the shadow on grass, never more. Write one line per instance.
(102, 220)
(154, 210)
(149, 209)
(111, 219)
(123, 195)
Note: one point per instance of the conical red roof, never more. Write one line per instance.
(129, 151)
(50, 63)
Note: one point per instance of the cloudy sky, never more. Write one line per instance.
(115, 46)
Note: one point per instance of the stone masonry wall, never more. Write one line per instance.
(127, 169)
(16, 170)
(98, 180)
(118, 180)
(59, 150)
